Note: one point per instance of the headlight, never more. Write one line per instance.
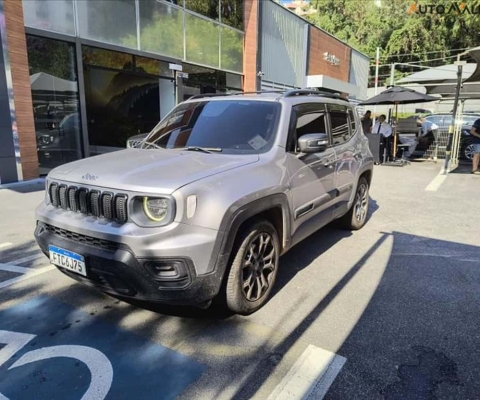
(155, 209)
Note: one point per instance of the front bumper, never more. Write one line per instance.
(114, 268)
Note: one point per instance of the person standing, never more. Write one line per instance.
(475, 133)
(383, 128)
(367, 122)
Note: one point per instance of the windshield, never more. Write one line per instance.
(232, 126)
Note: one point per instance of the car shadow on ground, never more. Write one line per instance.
(25, 187)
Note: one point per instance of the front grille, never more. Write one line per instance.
(107, 208)
(94, 203)
(53, 191)
(91, 241)
(72, 199)
(62, 194)
(112, 207)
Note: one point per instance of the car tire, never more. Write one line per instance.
(356, 216)
(467, 150)
(252, 274)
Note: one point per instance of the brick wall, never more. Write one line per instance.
(320, 42)
(250, 45)
(17, 50)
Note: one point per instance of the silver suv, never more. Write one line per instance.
(216, 193)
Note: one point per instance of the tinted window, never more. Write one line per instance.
(244, 127)
(353, 126)
(340, 124)
(307, 118)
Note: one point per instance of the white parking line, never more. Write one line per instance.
(436, 183)
(14, 268)
(3, 245)
(31, 274)
(26, 259)
(311, 375)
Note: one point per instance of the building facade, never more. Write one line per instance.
(78, 78)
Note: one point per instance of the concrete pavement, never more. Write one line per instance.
(398, 301)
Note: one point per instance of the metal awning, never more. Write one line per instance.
(475, 54)
(326, 82)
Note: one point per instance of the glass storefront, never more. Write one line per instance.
(205, 32)
(54, 86)
(124, 96)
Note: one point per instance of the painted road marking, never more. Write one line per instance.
(435, 184)
(28, 258)
(74, 353)
(28, 275)
(312, 373)
(101, 370)
(14, 268)
(3, 245)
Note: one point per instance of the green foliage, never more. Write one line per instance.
(162, 33)
(364, 25)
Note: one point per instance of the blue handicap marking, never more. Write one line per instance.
(49, 349)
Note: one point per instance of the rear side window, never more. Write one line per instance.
(353, 126)
(340, 124)
(308, 118)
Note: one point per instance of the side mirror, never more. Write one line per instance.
(313, 143)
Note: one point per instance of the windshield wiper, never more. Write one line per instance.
(204, 149)
(151, 144)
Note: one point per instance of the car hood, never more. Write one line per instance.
(149, 171)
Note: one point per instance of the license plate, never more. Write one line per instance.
(67, 259)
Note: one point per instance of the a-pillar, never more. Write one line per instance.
(18, 146)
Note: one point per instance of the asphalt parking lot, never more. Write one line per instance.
(391, 311)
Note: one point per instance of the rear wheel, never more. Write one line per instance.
(356, 217)
(254, 268)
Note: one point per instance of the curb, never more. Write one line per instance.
(30, 182)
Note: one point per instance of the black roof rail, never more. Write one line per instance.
(310, 92)
(201, 96)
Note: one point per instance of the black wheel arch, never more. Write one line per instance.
(274, 208)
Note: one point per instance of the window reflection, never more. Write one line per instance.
(112, 21)
(53, 82)
(208, 8)
(202, 41)
(161, 28)
(232, 13)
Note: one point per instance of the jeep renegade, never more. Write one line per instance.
(213, 196)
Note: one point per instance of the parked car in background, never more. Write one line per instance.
(443, 120)
(217, 192)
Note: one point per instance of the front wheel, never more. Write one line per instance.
(356, 217)
(254, 268)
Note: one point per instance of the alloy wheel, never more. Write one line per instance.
(258, 266)
(469, 152)
(361, 203)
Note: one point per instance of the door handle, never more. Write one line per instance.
(329, 163)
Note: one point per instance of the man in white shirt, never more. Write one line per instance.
(427, 126)
(383, 128)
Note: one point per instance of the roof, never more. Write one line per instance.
(475, 54)
(439, 74)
